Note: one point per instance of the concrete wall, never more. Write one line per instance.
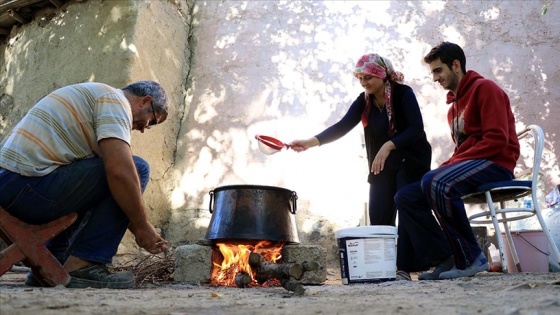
(115, 42)
(279, 68)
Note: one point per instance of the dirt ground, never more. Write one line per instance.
(487, 293)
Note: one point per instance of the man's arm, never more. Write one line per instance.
(124, 184)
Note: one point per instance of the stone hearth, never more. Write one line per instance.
(193, 263)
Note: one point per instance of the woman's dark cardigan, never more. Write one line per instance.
(413, 153)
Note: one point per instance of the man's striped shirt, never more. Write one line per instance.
(66, 126)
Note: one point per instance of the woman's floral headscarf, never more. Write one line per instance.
(380, 67)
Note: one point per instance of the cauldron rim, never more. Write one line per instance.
(263, 187)
(248, 240)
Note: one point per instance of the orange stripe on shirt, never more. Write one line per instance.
(75, 115)
(33, 138)
(110, 100)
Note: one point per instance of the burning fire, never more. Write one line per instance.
(234, 259)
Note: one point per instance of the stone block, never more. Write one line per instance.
(193, 264)
(301, 253)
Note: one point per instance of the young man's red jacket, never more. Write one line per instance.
(485, 128)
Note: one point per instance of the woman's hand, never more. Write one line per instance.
(302, 145)
(379, 160)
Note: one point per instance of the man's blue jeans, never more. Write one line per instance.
(79, 187)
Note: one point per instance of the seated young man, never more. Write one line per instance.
(486, 149)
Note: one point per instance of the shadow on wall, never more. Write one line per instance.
(270, 71)
(32, 71)
(517, 61)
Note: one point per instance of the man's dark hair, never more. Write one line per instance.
(447, 52)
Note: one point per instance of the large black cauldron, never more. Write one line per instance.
(254, 213)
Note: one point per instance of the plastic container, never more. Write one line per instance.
(367, 253)
(552, 220)
(532, 250)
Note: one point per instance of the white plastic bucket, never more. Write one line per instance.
(367, 253)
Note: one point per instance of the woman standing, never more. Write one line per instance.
(398, 152)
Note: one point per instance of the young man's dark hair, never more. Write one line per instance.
(447, 52)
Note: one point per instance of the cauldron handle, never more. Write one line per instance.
(294, 198)
(211, 199)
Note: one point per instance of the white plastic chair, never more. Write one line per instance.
(500, 192)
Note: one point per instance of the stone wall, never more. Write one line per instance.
(235, 69)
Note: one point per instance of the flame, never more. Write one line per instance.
(232, 258)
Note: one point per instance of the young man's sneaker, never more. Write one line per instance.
(445, 265)
(480, 264)
(98, 276)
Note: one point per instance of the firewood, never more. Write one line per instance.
(283, 272)
(266, 270)
(293, 286)
(280, 271)
(242, 279)
(255, 260)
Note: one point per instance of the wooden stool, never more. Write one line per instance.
(26, 243)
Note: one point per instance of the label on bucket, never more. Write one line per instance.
(367, 259)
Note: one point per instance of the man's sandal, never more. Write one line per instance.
(403, 276)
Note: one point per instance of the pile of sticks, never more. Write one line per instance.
(151, 269)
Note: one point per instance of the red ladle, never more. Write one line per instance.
(269, 145)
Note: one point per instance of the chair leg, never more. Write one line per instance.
(512, 249)
(511, 244)
(49, 268)
(8, 256)
(496, 224)
(551, 245)
(26, 244)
